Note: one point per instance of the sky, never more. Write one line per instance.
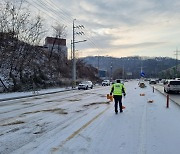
(117, 28)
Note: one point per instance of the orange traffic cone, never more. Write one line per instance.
(110, 97)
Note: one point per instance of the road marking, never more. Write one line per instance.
(142, 137)
(55, 149)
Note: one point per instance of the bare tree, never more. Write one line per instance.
(57, 55)
(60, 31)
(19, 34)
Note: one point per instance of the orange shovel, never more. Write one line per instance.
(110, 97)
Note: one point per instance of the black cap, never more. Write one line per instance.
(118, 81)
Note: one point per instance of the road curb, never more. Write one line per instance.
(34, 95)
(165, 95)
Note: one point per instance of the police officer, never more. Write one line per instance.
(118, 89)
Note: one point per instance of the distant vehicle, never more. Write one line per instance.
(163, 81)
(106, 83)
(172, 86)
(141, 84)
(146, 79)
(121, 80)
(85, 85)
(152, 81)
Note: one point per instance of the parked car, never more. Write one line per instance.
(106, 83)
(85, 85)
(172, 86)
(152, 81)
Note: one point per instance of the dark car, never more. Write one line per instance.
(152, 82)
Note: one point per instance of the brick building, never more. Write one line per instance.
(56, 45)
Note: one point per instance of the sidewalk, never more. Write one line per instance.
(18, 95)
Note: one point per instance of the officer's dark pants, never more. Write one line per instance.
(118, 99)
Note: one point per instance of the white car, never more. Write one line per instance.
(106, 83)
(152, 81)
(85, 85)
(172, 86)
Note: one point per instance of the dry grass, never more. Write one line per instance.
(79, 110)
(101, 95)
(97, 103)
(74, 100)
(56, 110)
(13, 123)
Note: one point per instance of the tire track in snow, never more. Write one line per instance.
(40, 104)
(142, 137)
(56, 149)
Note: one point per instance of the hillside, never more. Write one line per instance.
(150, 66)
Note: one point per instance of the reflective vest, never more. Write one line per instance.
(118, 89)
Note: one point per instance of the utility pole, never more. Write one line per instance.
(98, 66)
(176, 54)
(123, 72)
(74, 58)
(73, 51)
(111, 73)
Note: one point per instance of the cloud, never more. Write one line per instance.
(140, 45)
(122, 27)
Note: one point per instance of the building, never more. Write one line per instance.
(57, 45)
(102, 74)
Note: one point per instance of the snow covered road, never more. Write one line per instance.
(84, 122)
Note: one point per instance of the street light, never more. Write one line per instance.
(80, 41)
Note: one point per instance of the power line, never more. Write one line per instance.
(44, 9)
(89, 39)
(69, 21)
(62, 11)
(67, 18)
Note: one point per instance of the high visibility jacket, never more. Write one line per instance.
(118, 89)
